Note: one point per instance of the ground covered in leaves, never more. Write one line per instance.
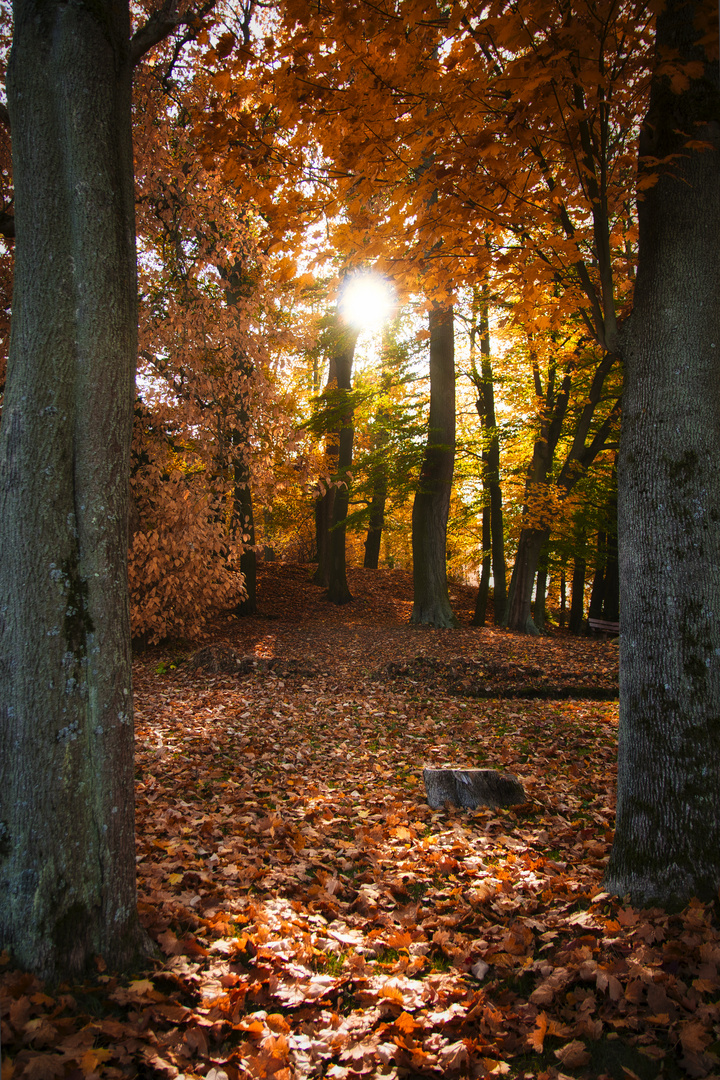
(315, 918)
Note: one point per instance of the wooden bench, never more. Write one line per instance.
(604, 626)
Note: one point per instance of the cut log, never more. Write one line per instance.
(472, 787)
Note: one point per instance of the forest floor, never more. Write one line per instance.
(314, 917)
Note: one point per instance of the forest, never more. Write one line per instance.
(359, 415)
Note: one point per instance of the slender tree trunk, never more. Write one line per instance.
(432, 500)
(373, 539)
(338, 589)
(324, 505)
(481, 600)
(67, 852)
(485, 405)
(563, 598)
(577, 603)
(667, 838)
(244, 517)
(492, 470)
(377, 509)
(611, 584)
(598, 589)
(541, 594)
(325, 502)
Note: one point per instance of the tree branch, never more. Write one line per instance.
(161, 24)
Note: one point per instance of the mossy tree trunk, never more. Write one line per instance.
(67, 852)
(431, 506)
(667, 838)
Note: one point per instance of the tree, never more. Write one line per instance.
(335, 420)
(338, 589)
(667, 839)
(67, 854)
(493, 530)
(431, 604)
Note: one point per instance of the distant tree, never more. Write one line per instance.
(431, 603)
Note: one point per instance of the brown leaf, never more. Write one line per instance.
(573, 1055)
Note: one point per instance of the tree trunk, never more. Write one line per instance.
(377, 508)
(480, 616)
(492, 470)
(523, 578)
(338, 589)
(324, 504)
(431, 506)
(611, 583)
(563, 598)
(577, 603)
(598, 589)
(67, 852)
(245, 523)
(540, 595)
(667, 838)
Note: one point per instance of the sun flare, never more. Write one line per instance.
(367, 301)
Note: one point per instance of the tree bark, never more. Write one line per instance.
(377, 519)
(530, 545)
(667, 839)
(245, 523)
(431, 506)
(338, 589)
(325, 501)
(67, 853)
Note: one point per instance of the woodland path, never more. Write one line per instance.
(315, 918)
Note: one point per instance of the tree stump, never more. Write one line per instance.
(472, 787)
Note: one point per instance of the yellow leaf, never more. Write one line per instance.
(92, 1058)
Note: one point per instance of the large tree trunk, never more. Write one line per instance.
(523, 578)
(67, 852)
(667, 839)
(431, 506)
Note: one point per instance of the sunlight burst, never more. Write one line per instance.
(367, 301)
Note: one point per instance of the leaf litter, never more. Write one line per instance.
(314, 917)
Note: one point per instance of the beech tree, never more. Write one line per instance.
(667, 839)
(67, 853)
(431, 604)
